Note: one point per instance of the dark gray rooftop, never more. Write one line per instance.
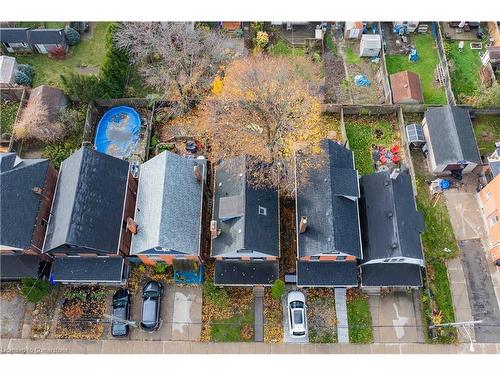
(249, 219)
(327, 274)
(391, 275)
(88, 204)
(495, 168)
(246, 272)
(327, 194)
(17, 267)
(451, 135)
(390, 222)
(14, 35)
(88, 269)
(47, 36)
(19, 204)
(168, 208)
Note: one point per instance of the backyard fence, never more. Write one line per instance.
(385, 74)
(444, 64)
(14, 94)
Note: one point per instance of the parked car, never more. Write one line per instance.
(151, 303)
(297, 313)
(121, 310)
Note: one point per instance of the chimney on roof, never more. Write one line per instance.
(214, 231)
(132, 225)
(303, 224)
(197, 172)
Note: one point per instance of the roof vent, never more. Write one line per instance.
(303, 224)
(394, 245)
(37, 190)
(390, 214)
(132, 226)
(214, 231)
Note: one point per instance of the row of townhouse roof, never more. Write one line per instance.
(91, 220)
(22, 39)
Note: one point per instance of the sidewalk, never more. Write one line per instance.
(49, 346)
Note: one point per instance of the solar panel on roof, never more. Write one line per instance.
(415, 133)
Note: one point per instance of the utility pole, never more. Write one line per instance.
(463, 325)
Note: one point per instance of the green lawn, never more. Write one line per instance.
(465, 67)
(282, 48)
(88, 53)
(351, 56)
(8, 111)
(487, 130)
(437, 236)
(359, 319)
(361, 135)
(424, 67)
(229, 330)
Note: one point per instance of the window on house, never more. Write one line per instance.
(314, 257)
(341, 258)
(262, 211)
(494, 220)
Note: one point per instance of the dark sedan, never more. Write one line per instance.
(151, 303)
(121, 311)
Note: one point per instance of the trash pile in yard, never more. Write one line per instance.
(362, 80)
(81, 313)
(386, 158)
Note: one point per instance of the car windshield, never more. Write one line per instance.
(297, 317)
(150, 294)
(296, 305)
(120, 303)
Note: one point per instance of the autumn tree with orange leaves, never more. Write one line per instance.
(265, 107)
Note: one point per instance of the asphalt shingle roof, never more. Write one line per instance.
(391, 224)
(14, 35)
(246, 272)
(327, 192)
(168, 208)
(16, 267)
(47, 36)
(327, 274)
(19, 204)
(88, 269)
(255, 231)
(391, 275)
(451, 135)
(88, 203)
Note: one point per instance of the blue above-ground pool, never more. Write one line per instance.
(118, 132)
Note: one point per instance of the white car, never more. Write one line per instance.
(297, 318)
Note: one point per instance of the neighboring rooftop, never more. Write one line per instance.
(14, 35)
(47, 36)
(451, 135)
(389, 217)
(88, 204)
(494, 160)
(248, 216)
(19, 204)
(327, 195)
(406, 88)
(169, 205)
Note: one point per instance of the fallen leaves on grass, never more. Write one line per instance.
(273, 318)
(321, 315)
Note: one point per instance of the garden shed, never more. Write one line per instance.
(406, 88)
(353, 29)
(8, 66)
(370, 45)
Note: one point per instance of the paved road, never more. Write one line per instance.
(19, 346)
(480, 289)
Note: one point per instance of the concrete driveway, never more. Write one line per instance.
(394, 318)
(480, 289)
(12, 316)
(180, 315)
(464, 213)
